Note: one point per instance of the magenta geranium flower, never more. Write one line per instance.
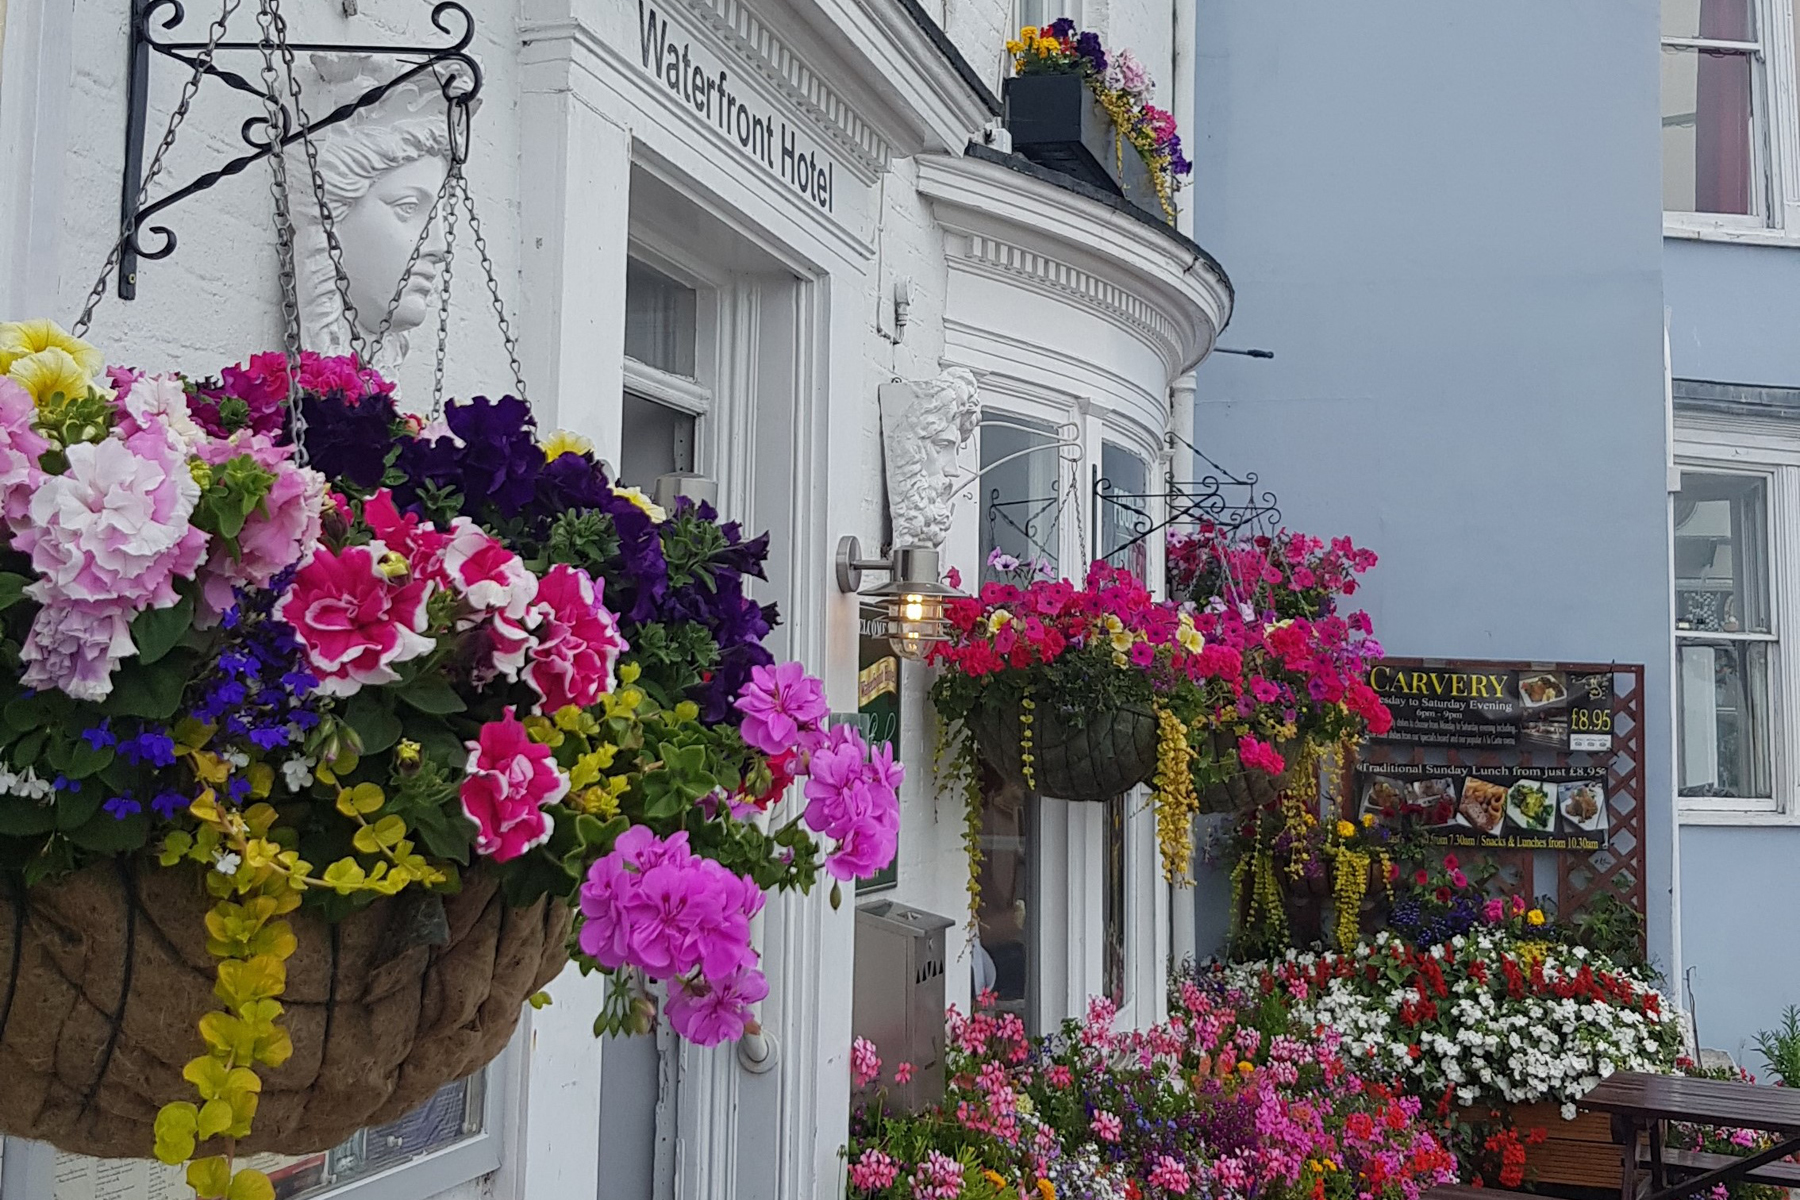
(1260, 755)
(853, 798)
(354, 621)
(510, 780)
(779, 704)
(710, 1011)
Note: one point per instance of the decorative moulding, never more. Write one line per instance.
(924, 424)
(733, 30)
(1147, 280)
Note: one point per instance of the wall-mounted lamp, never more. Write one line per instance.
(912, 600)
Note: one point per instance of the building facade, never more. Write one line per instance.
(722, 229)
(1535, 348)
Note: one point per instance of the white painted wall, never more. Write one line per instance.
(570, 129)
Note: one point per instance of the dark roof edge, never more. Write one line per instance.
(1736, 399)
(1024, 166)
(951, 54)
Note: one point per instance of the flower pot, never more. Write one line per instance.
(1056, 122)
(1249, 788)
(105, 974)
(1105, 754)
(1578, 1153)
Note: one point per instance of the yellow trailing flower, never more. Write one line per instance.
(563, 442)
(21, 338)
(1173, 796)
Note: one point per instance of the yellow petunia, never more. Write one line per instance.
(47, 374)
(1535, 917)
(1345, 829)
(1368, 820)
(1028, 33)
(563, 442)
(20, 338)
(1189, 638)
(651, 509)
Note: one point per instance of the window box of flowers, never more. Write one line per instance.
(1300, 691)
(322, 751)
(1073, 107)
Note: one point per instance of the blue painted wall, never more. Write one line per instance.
(1734, 317)
(1445, 221)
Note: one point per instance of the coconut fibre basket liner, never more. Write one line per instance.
(104, 975)
(1104, 754)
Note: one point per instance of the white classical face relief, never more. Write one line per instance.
(378, 233)
(924, 425)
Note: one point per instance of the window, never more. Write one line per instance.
(1038, 13)
(1725, 641)
(1113, 910)
(663, 400)
(1124, 509)
(1729, 76)
(1021, 495)
(1003, 957)
(457, 1114)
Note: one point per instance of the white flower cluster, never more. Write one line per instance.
(1484, 1042)
(24, 784)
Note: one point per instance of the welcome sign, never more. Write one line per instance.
(708, 89)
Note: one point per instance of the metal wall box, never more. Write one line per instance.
(1056, 122)
(898, 1002)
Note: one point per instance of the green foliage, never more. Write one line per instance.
(1780, 1047)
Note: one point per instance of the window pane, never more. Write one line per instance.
(1708, 131)
(659, 320)
(1723, 723)
(1124, 509)
(1113, 908)
(1021, 497)
(1002, 958)
(1722, 20)
(654, 440)
(450, 1116)
(1721, 540)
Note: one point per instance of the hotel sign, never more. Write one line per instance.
(712, 93)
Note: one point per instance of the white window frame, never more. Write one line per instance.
(28, 1169)
(1775, 109)
(1770, 448)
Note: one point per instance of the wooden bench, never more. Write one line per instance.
(1781, 1174)
(1641, 1106)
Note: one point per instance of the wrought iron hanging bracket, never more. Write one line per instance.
(1219, 498)
(458, 76)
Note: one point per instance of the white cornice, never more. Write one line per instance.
(736, 29)
(1010, 224)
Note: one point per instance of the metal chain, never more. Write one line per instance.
(202, 62)
(412, 261)
(284, 224)
(453, 181)
(493, 283)
(327, 223)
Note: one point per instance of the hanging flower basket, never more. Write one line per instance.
(105, 973)
(1246, 788)
(1085, 756)
(304, 782)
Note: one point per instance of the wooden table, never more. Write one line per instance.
(1642, 1103)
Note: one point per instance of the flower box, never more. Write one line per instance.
(1578, 1153)
(1057, 122)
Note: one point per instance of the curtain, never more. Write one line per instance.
(1722, 112)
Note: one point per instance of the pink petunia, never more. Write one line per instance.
(509, 780)
(354, 621)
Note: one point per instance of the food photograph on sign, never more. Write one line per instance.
(1531, 807)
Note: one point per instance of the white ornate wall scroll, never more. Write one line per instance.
(923, 426)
